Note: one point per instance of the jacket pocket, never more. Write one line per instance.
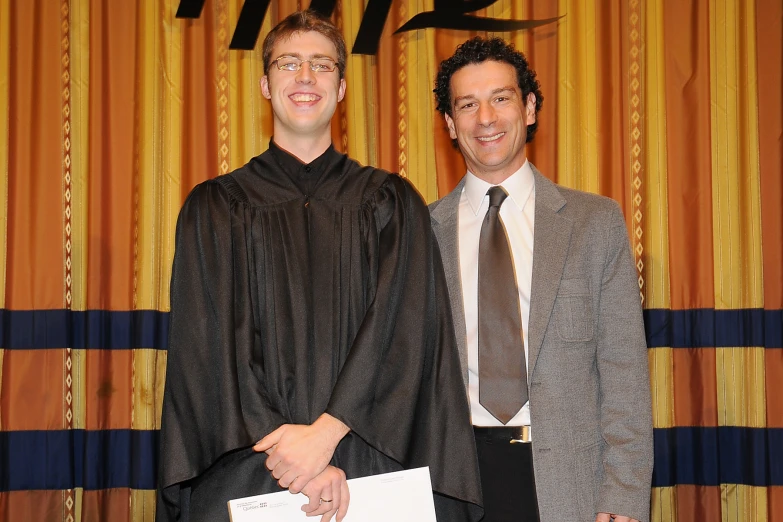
(574, 311)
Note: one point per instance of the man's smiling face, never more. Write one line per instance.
(303, 101)
(489, 119)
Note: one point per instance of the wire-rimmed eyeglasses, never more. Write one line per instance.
(293, 63)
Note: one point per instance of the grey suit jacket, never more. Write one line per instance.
(589, 388)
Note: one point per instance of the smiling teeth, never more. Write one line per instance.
(304, 97)
(491, 138)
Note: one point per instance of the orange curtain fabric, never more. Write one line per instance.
(110, 113)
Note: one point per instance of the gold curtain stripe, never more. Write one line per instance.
(148, 380)
(741, 381)
(565, 161)
(740, 503)
(577, 94)
(502, 9)
(80, 150)
(170, 146)
(587, 119)
(79, 498)
(516, 10)
(735, 155)
(661, 365)
(359, 113)
(79, 388)
(142, 505)
(148, 196)
(663, 504)
(421, 68)
(655, 240)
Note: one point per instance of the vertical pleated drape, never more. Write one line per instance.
(110, 113)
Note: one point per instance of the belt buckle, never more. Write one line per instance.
(520, 435)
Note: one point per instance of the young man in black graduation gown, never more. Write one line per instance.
(309, 319)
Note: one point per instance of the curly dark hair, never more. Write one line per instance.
(478, 50)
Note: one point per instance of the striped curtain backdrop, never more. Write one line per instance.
(110, 112)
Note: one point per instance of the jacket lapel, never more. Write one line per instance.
(445, 224)
(551, 237)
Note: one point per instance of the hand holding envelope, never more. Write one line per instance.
(410, 492)
(328, 495)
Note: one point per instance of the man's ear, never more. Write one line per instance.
(450, 125)
(530, 109)
(341, 90)
(265, 87)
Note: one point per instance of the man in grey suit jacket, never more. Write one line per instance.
(579, 448)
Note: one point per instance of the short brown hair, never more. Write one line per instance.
(303, 22)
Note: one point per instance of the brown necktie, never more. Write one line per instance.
(502, 368)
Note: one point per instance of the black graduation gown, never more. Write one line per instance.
(292, 298)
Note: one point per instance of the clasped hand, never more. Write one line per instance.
(299, 456)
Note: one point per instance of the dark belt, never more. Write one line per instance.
(510, 434)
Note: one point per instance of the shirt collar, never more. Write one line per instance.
(291, 163)
(519, 185)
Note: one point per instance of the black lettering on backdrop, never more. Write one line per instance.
(448, 14)
(369, 36)
(249, 24)
(454, 15)
(190, 8)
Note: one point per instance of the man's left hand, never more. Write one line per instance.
(329, 495)
(298, 452)
(611, 517)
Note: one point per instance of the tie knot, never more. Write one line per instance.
(496, 196)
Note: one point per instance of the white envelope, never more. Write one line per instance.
(390, 497)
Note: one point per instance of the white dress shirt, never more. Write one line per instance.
(517, 213)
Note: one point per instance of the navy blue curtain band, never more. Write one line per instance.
(67, 459)
(709, 456)
(93, 460)
(709, 328)
(123, 330)
(98, 329)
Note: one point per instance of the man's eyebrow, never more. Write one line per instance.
(312, 56)
(508, 88)
(464, 98)
(495, 92)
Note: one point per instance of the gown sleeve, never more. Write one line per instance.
(401, 387)
(212, 402)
